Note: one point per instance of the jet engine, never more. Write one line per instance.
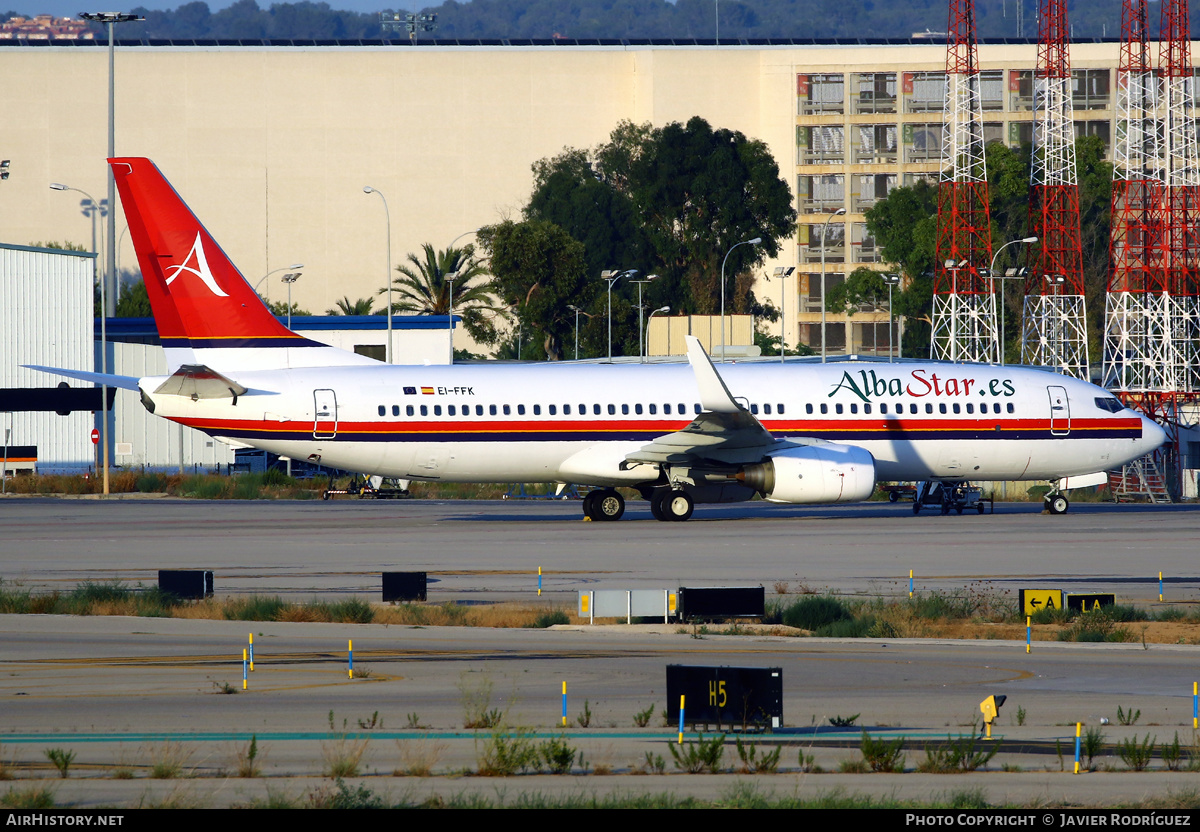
(823, 472)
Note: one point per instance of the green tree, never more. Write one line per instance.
(133, 302)
(279, 308)
(422, 289)
(345, 306)
(539, 269)
(673, 202)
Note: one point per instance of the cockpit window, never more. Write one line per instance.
(1109, 403)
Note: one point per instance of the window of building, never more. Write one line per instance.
(874, 92)
(820, 194)
(869, 188)
(924, 92)
(991, 89)
(875, 144)
(821, 144)
(835, 242)
(1090, 89)
(922, 142)
(821, 93)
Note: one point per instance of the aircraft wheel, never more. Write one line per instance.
(959, 510)
(677, 505)
(945, 509)
(979, 506)
(608, 505)
(1058, 504)
(656, 504)
(324, 495)
(893, 496)
(917, 506)
(589, 502)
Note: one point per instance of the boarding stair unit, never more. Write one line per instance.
(1140, 480)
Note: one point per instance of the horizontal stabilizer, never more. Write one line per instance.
(195, 381)
(123, 382)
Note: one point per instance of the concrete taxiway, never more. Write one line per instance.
(121, 692)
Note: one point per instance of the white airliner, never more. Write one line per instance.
(680, 434)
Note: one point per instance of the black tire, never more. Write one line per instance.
(945, 509)
(324, 495)
(608, 505)
(589, 502)
(917, 506)
(979, 506)
(959, 509)
(893, 496)
(1058, 504)
(677, 505)
(656, 504)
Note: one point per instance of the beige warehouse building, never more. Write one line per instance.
(272, 145)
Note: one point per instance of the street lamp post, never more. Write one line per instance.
(289, 279)
(95, 208)
(824, 233)
(653, 312)
(753, 242)
(782, 273)
(109, 19)
(611, 276)
(641, 340)
(291, 268)
(450, 278)
(891, 280)
(576, 310)
(992, 278)
(367, 189)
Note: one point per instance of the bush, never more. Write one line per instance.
(699, 756)
(815, 612)
(1137, 755)
(549, 618)
(883, 755)
(255, 608)
(957, 755)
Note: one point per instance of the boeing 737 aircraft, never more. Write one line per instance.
(679, 434)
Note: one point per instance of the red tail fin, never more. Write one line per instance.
(200, 299)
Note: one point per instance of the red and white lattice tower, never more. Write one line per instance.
(1054, 330)
(1181, 205)
(1138, 360)
(964, 307)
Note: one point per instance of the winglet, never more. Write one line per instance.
(714, 395)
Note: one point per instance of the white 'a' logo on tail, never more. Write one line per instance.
(201, 269)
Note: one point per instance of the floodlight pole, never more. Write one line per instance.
(752, 242)
(824, 232)
(367, 189)
(1000, 305)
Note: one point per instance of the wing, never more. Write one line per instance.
(725, 434)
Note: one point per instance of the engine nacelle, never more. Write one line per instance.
(824, 472)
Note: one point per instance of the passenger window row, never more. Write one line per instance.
(912, 408)
(667, 409)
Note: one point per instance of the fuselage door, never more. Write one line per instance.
(1060, 411)
(324, 414)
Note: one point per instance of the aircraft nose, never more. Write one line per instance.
(1153, 435)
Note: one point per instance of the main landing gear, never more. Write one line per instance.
(605, 504)
(669, 504)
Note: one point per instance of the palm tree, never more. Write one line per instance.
(423, 289)
(345, 306)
